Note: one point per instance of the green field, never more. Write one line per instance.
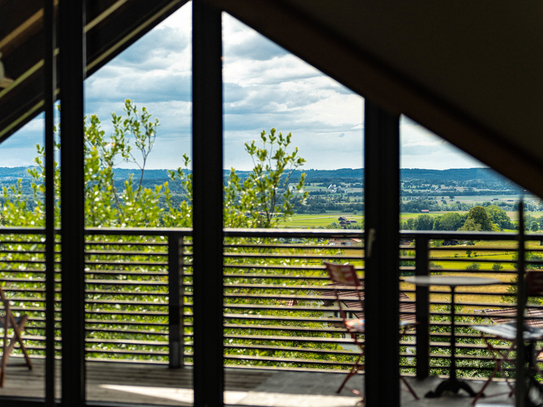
(321, 220)
(449, 258)
(325, 219)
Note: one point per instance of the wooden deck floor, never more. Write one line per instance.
(125, 383)
(157, 385)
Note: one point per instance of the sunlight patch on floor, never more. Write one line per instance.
(240, 397)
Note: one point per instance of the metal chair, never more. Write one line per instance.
(345, 276)
(508, 332)
(17, 324)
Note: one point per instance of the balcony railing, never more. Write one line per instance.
(278, 309)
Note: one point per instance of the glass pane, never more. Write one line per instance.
(265, 88)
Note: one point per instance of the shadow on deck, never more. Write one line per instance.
(158, 385)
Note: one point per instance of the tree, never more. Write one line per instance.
(410, 224)
(499, 217)
(425, 222)
(448, 221)
(265, 198)
(111, 203)
(105, 203)
(470, 225)
(478, 219)
(497, 266)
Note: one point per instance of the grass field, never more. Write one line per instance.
(456, 258)
(313, 221)
(324, 219)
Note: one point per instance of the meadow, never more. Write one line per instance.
(311, 221)
(314, 221)
(457, 257)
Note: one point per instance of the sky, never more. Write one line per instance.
(264, 87)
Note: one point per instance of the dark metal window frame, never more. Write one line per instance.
(382, 180)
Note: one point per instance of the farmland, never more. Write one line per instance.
(311, 221)
(450, 258)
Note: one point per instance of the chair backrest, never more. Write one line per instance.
(343, 275)
(534, 282)
(4, 307)
(4, 302)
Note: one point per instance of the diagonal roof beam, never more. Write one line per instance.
(109, 32)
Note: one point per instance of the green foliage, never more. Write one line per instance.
(425, 222)
(126, 277)
(179, 215)
(448, 221)
(407, 260)
(497, 266)
(471, 225)
(473, 266)
(436, 243)
(131, 142)
(266, 197)
(499, 217)
(478, 220)
(17, 211)
(469, 344)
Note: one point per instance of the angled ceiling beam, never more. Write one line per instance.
(109, 32)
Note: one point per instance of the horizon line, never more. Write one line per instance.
(304, 169)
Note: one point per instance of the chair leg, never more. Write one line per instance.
(18, 329)
(354, 370)
(4, 353)
(409, 388)
(486, 384)
(499, 362)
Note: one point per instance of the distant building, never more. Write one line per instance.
(344, 242)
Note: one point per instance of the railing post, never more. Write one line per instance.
(176, 327)
(422, 268)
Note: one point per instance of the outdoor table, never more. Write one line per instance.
(452, 383)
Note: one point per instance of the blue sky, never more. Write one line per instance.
(264, 87)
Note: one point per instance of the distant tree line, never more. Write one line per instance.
(418, 205)
(479, 218)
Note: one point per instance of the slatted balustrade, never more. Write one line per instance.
(22, 271)
(275, 294)
(277, 309)
(498, 248)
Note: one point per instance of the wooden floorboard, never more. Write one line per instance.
(124, 383)
(145, 384)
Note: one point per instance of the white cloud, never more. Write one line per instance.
(420, 148)
(264, 87)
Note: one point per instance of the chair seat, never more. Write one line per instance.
(509, 331)
(357, 325)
